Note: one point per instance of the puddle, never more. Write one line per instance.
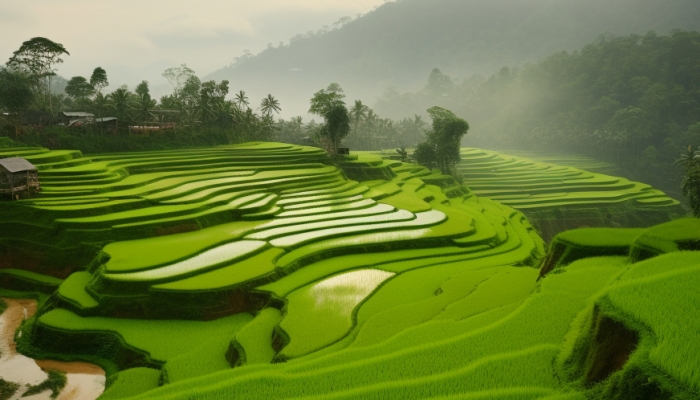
(85, 381)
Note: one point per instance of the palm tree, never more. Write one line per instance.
(120, 101)
(690, 186)
(370, 125)
(358, 112)
(241, 99)
(270, 105)
(100, 103)
(142, 105)
(689, 158)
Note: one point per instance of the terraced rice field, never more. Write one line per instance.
(524, 183)
(265, 271)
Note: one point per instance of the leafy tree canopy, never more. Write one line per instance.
(143, 90)
(98, 80)
(443, 143)
(38, 55)
(325, 100)
(78, 87)
(15, 90)
(177, 76)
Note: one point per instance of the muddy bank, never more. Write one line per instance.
(84, 381)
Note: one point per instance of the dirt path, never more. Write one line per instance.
(85, 381)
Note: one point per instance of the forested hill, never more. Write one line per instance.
(632, 100)
(399, 43)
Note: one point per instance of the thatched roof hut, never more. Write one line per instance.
(18, 177)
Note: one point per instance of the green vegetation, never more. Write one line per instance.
(260, 270)
(55, 383)
(131, 382)
(690, 185)
(630, 100)
(442, 146)
(399, 43)
(7, 389)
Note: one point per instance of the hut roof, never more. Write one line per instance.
(16, 164)
(78, 114)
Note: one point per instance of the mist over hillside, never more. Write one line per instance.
(399, 43)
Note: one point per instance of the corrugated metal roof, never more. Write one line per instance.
(16, 164)
(78, 114)
(105, 119)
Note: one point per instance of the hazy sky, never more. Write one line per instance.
(138, 39)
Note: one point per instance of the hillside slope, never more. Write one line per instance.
(399, 43)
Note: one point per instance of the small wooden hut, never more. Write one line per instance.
(18, 178)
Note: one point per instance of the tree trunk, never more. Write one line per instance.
(49, 92)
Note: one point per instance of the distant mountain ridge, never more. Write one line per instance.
(400, 42)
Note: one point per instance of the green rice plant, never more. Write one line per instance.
(26, 280)
(322, 312)
(177, 341)
(421, 220)
(131, 382)
(238, 272)
(333, 265)
(207, 260)
(377, 209)
(139, 255)
(659, 302)
(678, 235)
(355, 205)
(406, 201)
(73, 290)
(288, 202)
(255, 339)
(518, 369)
(286, 231)
(528, 184)
(393, 310)
(508, 287)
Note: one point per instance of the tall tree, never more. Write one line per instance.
(98, 79)
(79, 88)
(177, 76)
(15, 94)
(270, 105)
(329, 104)
(241, 99)
(39, 55)
(358, 113)
(690, 186)
(142, 103)
(336, 126)
(120, 99)
(444, 140)
(326, 99)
